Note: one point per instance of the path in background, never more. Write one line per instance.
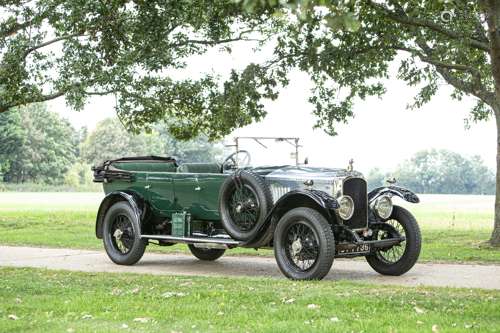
(441, 275)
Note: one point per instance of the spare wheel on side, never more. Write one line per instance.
(244, 202)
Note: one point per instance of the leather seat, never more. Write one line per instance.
(199, 168)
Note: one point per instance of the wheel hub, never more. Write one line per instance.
(296, 246)
(118, 234)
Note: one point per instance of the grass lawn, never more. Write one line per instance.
(455, 228)
(34, 300)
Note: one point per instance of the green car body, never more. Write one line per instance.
(168, 190)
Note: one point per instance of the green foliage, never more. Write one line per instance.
(79, 174)
(36, 145)
(136, 50)
(440, 171)
(375, 178)
(110, 140)
(82, 48)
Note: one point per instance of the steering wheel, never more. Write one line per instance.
(233, 161)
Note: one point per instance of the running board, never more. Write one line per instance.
(193, 240)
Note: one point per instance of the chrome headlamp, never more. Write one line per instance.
(383, 206)
(346, 208)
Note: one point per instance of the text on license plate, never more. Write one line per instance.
(361, 248)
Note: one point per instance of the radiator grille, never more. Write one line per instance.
(356, 189)
(278, 191)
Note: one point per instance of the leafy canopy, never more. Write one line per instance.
(80, 48)
(36, 145)
(135, 49)
(440, 171)
(110, 140)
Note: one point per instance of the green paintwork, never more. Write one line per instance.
(171, 192)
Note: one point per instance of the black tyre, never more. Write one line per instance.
(244, 201)
(304, 245)
(400, 258)
(122, 235)
(206, 254)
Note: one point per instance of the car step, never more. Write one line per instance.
(194, 240)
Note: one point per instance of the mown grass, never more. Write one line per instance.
(60, 301)
(451, 232)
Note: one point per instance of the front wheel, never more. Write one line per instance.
(122, 235)
(304, 245)
(400, 258)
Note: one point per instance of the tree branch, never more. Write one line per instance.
(403, 18)
(221, 41)
(14, 28)
(47, 43)
(475, 88)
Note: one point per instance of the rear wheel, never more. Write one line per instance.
(304, 245)
(122, 236)
(399, 258)
(206, 254)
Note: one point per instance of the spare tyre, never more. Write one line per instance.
(244, 201)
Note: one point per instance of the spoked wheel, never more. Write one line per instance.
(304, 245)
(244, 201)
(401, 257)
(244, 207)
(122, 240)
(122, 234)
(301, 248)
(395, 253)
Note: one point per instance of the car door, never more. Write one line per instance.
(186, 193)
(160, 186)
(208, 194)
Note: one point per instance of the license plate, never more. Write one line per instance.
(358, 249)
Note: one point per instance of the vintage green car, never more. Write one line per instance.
(308, 215)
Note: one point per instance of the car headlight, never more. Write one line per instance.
(383, 207)
(346, 208)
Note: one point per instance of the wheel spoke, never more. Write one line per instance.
(122, 234)
(301, 247)
(396, 252)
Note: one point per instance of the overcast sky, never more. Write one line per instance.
(382, 134)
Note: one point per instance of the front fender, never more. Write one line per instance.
(315, 199)
(401, 192)
(305, 198)
(135, 201)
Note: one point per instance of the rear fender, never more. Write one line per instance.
(134, 199)
(401, 192)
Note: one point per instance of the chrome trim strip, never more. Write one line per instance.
(193, 239)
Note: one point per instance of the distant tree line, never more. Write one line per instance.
(439, 171)
(39, 146)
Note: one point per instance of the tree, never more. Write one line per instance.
(375, 178)
(452, 42)
(81, 48)
(110, 140)
(447, 172)
(36, 145)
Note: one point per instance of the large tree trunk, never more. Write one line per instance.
(495, 236)
(492, 11)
